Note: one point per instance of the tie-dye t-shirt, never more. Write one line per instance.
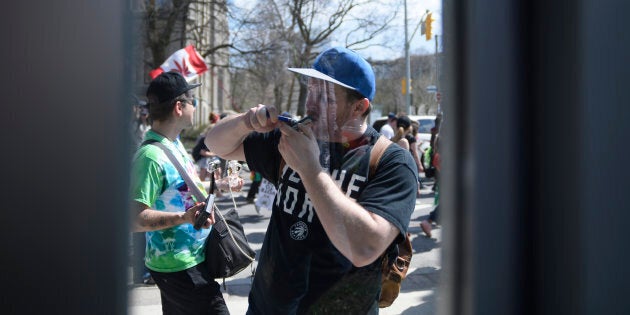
(157, 184)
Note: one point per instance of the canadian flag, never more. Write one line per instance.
(186, 61)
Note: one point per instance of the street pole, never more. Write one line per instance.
(437, 75)
(408, 68)
(437, 65)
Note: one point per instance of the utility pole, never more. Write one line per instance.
(408, 68)
(437, 77)
(437, 65)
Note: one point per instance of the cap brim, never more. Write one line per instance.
(309, 72)
(190, 87)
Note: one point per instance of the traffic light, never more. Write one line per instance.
(403, 84)
(428, 33)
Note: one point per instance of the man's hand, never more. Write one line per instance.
(193, 212)
(152, 220)
(299, 149)
(262, 118)
(227, 136)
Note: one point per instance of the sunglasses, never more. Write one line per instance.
(191, 101)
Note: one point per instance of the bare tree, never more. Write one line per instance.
(258, 45)
(389, 74)
(278, 34)
(261, 38)
(316, 22)
(162, 27)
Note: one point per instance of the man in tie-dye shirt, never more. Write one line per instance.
(165, 208)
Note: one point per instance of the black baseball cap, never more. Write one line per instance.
(167, 86)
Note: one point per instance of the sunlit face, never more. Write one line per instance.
(188, 109)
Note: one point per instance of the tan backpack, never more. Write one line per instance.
(393, 272)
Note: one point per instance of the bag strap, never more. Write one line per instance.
(180, 168)
(377, 152)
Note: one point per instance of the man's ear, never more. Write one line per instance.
(178, 109)
(361, 106)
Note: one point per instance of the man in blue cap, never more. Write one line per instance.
(330, 223)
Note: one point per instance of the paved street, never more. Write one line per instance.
(418, 293)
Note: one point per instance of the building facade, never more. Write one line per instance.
(171, 25)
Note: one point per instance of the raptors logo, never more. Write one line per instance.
(298, 231)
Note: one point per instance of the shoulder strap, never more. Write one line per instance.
(148, 141)
(377, 151)
(191, 184)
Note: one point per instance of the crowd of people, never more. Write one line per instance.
(332, 226)
(404, 132)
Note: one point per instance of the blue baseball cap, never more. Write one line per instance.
(344, 67)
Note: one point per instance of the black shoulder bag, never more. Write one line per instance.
(227, 249)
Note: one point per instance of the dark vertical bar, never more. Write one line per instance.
(534, 189)
(452, 191)
(603, 133)
(483, 131)
(65, 157)
(554, 47)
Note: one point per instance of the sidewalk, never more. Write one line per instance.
(418, 293)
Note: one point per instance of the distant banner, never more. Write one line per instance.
(186, 61)
(266, 194)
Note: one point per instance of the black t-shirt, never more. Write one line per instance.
(299, 269)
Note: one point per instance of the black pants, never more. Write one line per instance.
(435, 214)
(253, 190)
(190, 291)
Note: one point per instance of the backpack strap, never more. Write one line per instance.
(377, 152)
(148, 141)
(194, 189)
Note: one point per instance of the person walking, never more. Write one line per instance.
(405, 138)
(200, 151)
(387, 129)
(435, 160)
(163, 205)
(331, 224)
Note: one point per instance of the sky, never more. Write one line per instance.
(415, 10)
(418, 44)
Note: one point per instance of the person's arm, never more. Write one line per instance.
(361, 236)
(227, 136)
(416, 157)
(404, 143)
(207, 153)
(147, 219)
